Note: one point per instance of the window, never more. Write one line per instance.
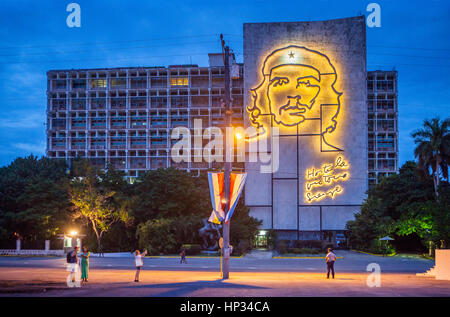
(60, 84)
(98, 83)
(118, 83)
(179, 81)
(79, 84)
(140, 82)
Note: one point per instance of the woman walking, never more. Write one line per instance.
(85, 264)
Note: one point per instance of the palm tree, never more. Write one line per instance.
(433, 148)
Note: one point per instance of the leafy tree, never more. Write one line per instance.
(243, 228)
(33, 199)
(167, 193)
(369, 225)
(402, 206)
(95, 201)
(157, 236)
(433, 148)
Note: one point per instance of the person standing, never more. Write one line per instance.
(85, 264)
(183, 256)
(74, 268)
(331, 258)
(139, 263)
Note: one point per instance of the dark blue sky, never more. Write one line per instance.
(413, 39)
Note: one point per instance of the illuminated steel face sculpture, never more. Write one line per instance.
(297, 86)
(297, 95)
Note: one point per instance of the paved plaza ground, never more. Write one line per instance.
(249, 277)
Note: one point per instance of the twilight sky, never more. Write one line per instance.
(413, 38)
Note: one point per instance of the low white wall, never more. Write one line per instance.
(442, 267)
(32, 252)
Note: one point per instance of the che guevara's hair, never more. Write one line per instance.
(313, 59)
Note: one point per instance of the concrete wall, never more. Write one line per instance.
(279, 198)
(442, 267)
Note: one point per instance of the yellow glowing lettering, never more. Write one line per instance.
(321, 195)
(324, 177)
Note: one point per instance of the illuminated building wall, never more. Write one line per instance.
(309, 80)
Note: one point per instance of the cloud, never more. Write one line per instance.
(32, 147)
(23, 120)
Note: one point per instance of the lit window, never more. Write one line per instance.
(98, 83)
(179, 81)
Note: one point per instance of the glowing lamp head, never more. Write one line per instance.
(238, 135)
(73, 233)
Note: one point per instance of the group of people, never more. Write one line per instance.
(77, 260)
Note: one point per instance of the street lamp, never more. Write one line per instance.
(238, 135)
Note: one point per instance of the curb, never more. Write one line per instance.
(187, 257)
(392, 254)
(303, 257)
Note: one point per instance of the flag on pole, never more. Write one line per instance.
(216, 189)
(216, 217)
(237, 182)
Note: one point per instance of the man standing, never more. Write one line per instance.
(73, 266)
(331, 258)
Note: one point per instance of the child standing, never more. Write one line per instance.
(139, 263)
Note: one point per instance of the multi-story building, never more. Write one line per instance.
(382, 96)
(124, 116)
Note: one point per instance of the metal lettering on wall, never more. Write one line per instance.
(324, 181)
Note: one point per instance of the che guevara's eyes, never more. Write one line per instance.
(303, 83)
(280, 82)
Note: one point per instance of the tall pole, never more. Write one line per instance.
(227, 165)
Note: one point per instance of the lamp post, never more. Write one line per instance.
(227, 165)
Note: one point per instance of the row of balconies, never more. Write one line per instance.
(176, 102)
(123, 162)
(138, 122)
(158, 142)
(382, 165)
(213, 81)
(382, 126)
(193, 70)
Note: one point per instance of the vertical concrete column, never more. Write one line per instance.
(47, 245)
(18, 244)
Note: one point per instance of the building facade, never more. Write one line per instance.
(124, 116)
(382, 105)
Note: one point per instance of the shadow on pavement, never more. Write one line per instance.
(181, 289)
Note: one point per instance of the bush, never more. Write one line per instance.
(310, 244)
(282, 246)
(157, 236)
(303, 251)
(192, 249)
(271, 239)
(242, 248)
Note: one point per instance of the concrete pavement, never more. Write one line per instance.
(109, 282)
(250, 276)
